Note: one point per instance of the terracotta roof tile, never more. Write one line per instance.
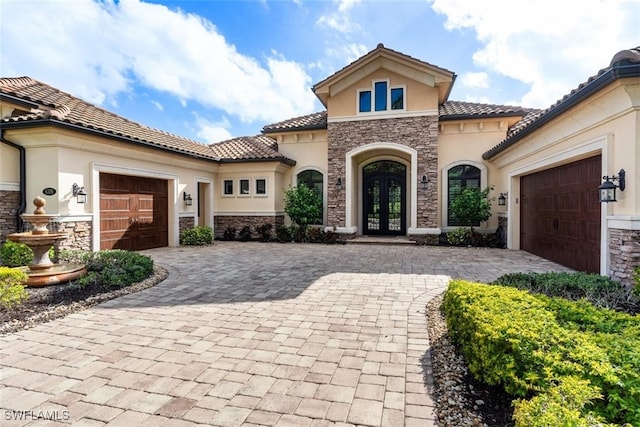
(59, 106)
(309, 122)
(452, 110)
(249, 148)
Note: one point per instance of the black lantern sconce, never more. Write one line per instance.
(423, 182)
(608, 188)
(187, 198)
(79, 193)
(502, 199)
(339, 183)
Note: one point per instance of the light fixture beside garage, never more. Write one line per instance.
(502, 199)
(187, 198)
(423, 182)
(79, 193)
(608, 188)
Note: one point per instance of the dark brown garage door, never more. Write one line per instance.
(133, 212)
(560, 214)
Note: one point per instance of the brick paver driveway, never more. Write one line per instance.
(250, 334)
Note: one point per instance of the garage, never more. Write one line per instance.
(560, 214)
(133, 212)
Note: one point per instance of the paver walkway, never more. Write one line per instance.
(249, 334)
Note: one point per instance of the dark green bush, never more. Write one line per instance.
(116, 268)
(599, 290)
(264, 231)
(245, 234)
(74, 256)
(14, 254)
(12, 290)
(230, 233)
(533, 344)
(283, 234)
(197, 236)
(459, 237)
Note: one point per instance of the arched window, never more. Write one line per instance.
(314, 180)
(459, 178)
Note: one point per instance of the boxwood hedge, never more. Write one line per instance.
(573, 362)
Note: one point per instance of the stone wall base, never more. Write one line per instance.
(221, 223)
(80, 234)
(624, 250)
(9, 205)
(185, 223)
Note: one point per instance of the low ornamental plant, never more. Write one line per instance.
(245, 234)
(14, 254)
(197, 236)
(116, 268)
(264, 231)
(12, 291)
(574, 362)
(229, 233)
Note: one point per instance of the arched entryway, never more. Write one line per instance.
(384, 198)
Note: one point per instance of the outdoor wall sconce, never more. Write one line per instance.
(608, 188)
(187, 198)
(339, 184)
(502, 199)
(79, 193)
(423, 182)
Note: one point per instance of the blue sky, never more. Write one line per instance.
(211, 70)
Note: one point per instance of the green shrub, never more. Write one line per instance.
(15, 254)
(264, 231)
(12, 290)
(229, 233)
(636, 278)
(116, 268)
(459, 237)
(197, 236)
(74, 256)
(245, 234)
(599, 290)
(530, 344)
(283, 233)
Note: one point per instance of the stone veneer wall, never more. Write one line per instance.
(419, 133)
(185, 223)
(624, 250)
(221, 223)
(9, 205)
(80, 234)
(503, 225)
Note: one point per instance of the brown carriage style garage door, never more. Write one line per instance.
(133, 212)
(560, 214)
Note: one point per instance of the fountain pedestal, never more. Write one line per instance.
(42, 271)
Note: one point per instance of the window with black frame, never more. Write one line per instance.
(459, 178)
(314, 180)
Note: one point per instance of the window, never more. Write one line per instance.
(314, 180)
(459, 178)
(244, 187)
(382, 96)
(261, 186)
(228, 187)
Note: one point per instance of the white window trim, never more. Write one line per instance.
(445, 186)
(372, 89)
(240, 194)
(266, 187)
(223, 194)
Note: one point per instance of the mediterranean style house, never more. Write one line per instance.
(388, 155)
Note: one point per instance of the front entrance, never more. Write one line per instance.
(384, 198)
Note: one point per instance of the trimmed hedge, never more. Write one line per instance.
(578, 364)
(12, 290)
(197, 236)
(14, 254)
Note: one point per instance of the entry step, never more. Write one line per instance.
(381, 240)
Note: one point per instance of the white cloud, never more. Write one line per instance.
(211, 131)
(475, 80)
(550, 45)
(99, 49)
(158, 105)
(340, 20)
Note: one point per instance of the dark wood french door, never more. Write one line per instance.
(133, 212)
(384, 198)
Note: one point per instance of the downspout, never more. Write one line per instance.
(23, 179)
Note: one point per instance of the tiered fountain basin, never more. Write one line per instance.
(43, 272)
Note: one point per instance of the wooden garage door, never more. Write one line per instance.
(560, 214)
(133, 212)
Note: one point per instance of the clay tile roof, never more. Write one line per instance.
(249, 148)
(308, 122)
(455, 110)
(60, 107)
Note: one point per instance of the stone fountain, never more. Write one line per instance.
(42, 271)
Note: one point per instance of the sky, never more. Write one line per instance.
(211, 70)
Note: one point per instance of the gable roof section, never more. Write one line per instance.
(383, 57)
(314, 121)
(624, 64)
(249, 148)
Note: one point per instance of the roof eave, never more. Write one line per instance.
(284, 160)
(453, 117)
(589, 89)
(17, 100)
(25, 124)
(296, 129)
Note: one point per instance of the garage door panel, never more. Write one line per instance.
(560, 214)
